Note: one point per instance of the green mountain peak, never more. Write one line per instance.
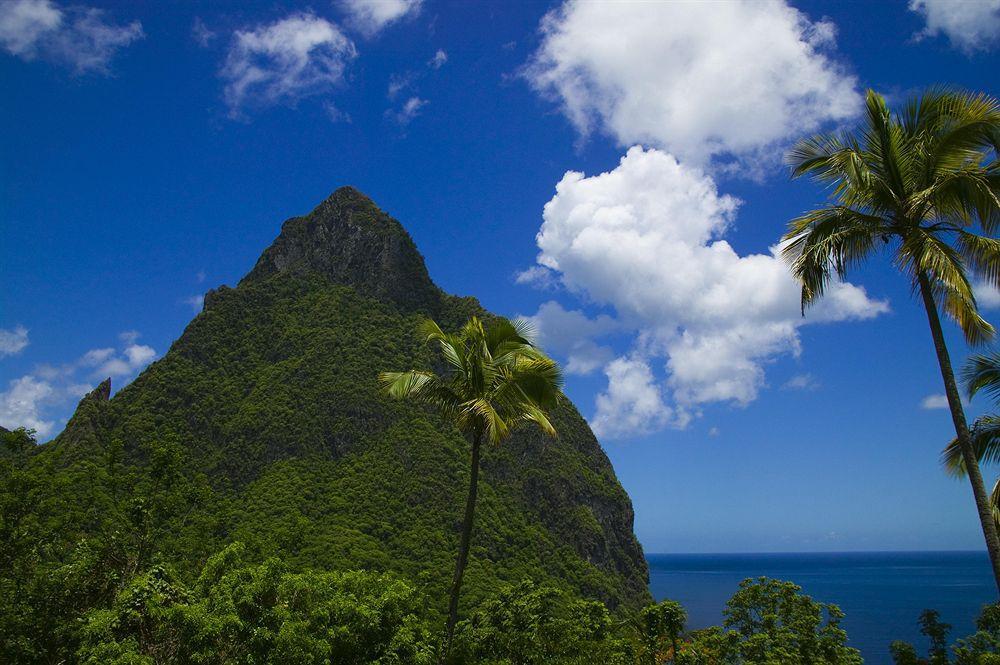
(264, 424)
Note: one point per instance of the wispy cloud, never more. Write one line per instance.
(78, 37)
(13, 341)
(285, 61)
(409, 110)
(370, 17)
(970, 25)
(437, 62)
(801, 382)
(932, 402)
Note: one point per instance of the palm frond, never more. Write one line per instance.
(985, 434)
(829, 241)
(982, 255)
(982, 373)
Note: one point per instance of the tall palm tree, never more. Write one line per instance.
(981, 372)
(924, 185)
(496, 380)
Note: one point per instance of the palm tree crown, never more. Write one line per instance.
(924, 184)
(497, 380)
(923, 181)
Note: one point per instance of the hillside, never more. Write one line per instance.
(263, 424)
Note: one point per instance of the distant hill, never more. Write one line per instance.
(263, 423)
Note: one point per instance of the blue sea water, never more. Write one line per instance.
(881, 593)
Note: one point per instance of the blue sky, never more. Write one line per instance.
(152, 150)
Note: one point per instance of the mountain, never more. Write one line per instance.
(264, 424)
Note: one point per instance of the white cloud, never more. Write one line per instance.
(632, 404)
(78, 37)
(139, 355)
(13, 341)
(934, 402)
(96, 357)
(713, 431)
(196, 303)
(571, 333)
(285, 61)
(24, 22)
(410, 110)
(371, 16)
(647, 239)
(699, 79)
(801, 382)
(437, 62)
(21, 404)
(970, 25)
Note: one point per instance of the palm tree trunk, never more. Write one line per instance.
(463, 548)
(962, 429)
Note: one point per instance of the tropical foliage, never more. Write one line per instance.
(923, 185)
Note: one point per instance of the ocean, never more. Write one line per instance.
(881, 593)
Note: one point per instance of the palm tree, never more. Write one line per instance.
(496, 380)
(981, 372)
(920, 184)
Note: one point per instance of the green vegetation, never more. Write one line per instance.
(980, 648)
(496, 380)
(101, 607)
(921, 182)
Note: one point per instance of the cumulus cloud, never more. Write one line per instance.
(970, 25)
(699, 79)
(633, 403)
(22, 402)
(370, 16)
(647, 239)
(78, 37)
(283, 62)
(13, 341)
(932, 402)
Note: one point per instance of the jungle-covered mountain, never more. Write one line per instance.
(264, 424)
